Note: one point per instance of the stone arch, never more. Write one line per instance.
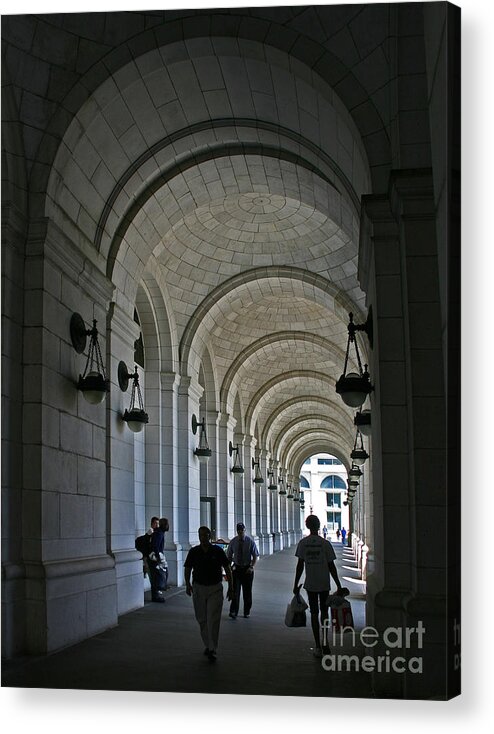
(233, 375)
(323, 291)
(302, 400)
(145, 67)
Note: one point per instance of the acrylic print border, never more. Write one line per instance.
(478, 277)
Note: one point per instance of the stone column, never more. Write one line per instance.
(67, 569)
(121, 444)
(263, 508)
(275, 513)
(188, 495)
(408, 584)
(226, 495)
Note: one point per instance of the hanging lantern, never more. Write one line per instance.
(281, 482)
(271, 483)
(237, 467)
(359, 455)
(258, 478)
(203, 452)
(354, 387)
(93, 382)
(136, 417)
(363, 422)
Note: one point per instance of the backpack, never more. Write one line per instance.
(143, 544)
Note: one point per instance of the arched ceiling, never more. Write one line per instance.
(243, 230)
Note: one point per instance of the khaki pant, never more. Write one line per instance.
(208, 603)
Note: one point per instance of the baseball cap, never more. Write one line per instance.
(240, 526)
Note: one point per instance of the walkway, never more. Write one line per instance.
(158, 648)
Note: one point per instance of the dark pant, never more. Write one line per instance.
(158, 578)
(243, 578)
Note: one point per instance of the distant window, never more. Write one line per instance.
(333, 482)
(325, 462)
(333, 499)
(304, 483)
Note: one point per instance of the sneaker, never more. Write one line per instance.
(232, 615)
(246, 616)
(317, 652)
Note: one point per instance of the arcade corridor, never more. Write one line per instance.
(275, 660)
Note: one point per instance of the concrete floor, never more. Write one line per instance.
(159, 648)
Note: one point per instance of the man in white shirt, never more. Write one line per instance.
(316, 556)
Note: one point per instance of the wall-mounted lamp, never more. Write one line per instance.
(354, 475)
(237, 467)
(363, 421)
(92, 383)
(136, 417)
(354, 387)
(271, 482)
(258, 478)
(359, 455)
(281, 482)
(203, 452)
(302, 501)
(289, 492)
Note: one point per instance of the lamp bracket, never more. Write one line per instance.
(195, 424)
(123, 376)
(231, 448)
(78, 333)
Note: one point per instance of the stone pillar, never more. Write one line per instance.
(226, 494)
(162, 490)
(188, 495)
(263, 508)
(121, 445)
(408, 585)
(275, 512)
(67, 570)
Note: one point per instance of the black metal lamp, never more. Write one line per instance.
(237, 467)
(363, 422)
(281, 482)
(136, 417)
(258, 478)
(203, 452)
(271, 483)
(289, 491)
(359, 455)
(93, 382)
(354, 473)
(354, 387)
(302, 501)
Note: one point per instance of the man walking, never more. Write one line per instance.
(316, 556)
(243, 551)
(206, 562)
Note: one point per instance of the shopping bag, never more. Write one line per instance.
(341, 612)
(295, 612)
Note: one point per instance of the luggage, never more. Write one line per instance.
(341, 612)
(295, 612)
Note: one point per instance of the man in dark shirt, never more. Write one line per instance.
(206, 562)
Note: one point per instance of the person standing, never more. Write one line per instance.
(156, 560)
(343, 535)
(205, 562)
(316, 556)
(243, 551)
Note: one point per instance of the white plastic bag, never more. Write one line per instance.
(295, 612)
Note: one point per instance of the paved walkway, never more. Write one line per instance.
(159, 648)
